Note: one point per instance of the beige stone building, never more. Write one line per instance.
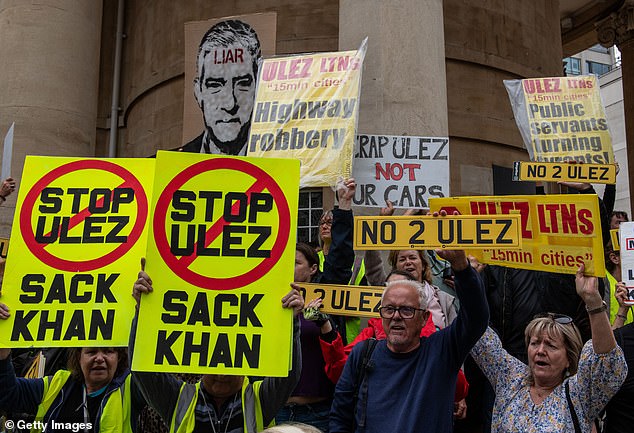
(73, 71)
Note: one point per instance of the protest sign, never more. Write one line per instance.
(559, 232)
(427, 232)
(220, 253)
(626, 237)
(306, 107)
(404, 170)
(4, 247)
(357, 301)
(561, 119)
(564, 172)
(220, 78)
(614, 236)
(76, 243)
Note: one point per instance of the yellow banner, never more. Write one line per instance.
(427, 232)
(565, 172)
(220, 253)
(306, 108)
(358, 301)
(614, 235)
(559, 232)
(566, 120)
(77, 238)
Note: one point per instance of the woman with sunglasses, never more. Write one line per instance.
(563, 388)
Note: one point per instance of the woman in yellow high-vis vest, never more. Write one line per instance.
(93, 395)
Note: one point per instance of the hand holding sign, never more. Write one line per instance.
(4, 311)
(587, 288)
(621, 295)
(388, 210)
(142, 285)
(457, 258)
(8, 186)
(294, 300)
(4, 314)
(345, 192)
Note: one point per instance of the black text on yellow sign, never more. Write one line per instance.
(554, 171)
(359, 301)
(425, 232)
(74, 320)
(222, 319)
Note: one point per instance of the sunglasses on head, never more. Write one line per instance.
(562, 319)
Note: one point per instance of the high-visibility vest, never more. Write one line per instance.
(115, 417)
(184, 417)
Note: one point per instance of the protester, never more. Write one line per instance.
(619, 413)
(407, 382)
(357, 278)
(581, 384)
(311, 400)
(93, 394)
(218, 403)
(617, 217)
(336, 354)
(619, 313)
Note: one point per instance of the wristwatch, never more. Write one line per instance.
(603, 307)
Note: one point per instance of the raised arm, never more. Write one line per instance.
(588, 289)
(621, 295)
(160, 390)
(276, 390)
(340, 258)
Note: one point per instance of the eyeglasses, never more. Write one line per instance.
(562, 319)
(325, 223)
(405, 312)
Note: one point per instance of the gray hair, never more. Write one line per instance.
(420, 290)
(225, 33)
(292, 427)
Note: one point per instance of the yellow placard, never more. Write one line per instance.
(77, 238)
(566, 120)
(425, 232)
(220, 253)
(358, 301)
(306, 107)
(555, 172)
(559, 232)
(4, 247)
(614, 235)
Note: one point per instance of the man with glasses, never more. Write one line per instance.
(408, 381)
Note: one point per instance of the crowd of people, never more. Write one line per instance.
(554, 356)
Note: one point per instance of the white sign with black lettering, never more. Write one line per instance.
(402, 169)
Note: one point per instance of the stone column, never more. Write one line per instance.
(618, 29)
(404, 87)
(49, 69)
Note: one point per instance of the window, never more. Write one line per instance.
(597, 68)
(572, 66)
(310, 209)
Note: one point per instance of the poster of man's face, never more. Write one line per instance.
(224, 81)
